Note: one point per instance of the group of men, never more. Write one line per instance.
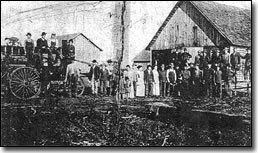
(47, 58)
(204, 77)
(104, 77)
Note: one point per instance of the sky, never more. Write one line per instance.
(147, 18)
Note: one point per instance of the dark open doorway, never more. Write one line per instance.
(160, 57)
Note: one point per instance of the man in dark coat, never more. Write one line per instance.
(43, 61)
(148, 81)
(197, 58)
(204, 60)
(42, 42)
(235, 59)
(185, 81)
(216, 59)
(162, 80)
(104, 76)
(209, 80)
(70, 51)
(248, 64)
(198, 79)
(29, 47)
(191, 80)
(185, 57)
(94, 77)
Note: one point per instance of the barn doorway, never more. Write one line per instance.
(160, 57)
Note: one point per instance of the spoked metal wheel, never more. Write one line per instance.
(25, 83)
(80, 87)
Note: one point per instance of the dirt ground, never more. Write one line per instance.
(91, 121)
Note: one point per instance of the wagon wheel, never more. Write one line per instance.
(80, 87)
(25, 83)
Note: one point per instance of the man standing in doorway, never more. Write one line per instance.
(163, 80)
(148, 81)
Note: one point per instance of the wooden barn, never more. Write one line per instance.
(200, 25)
(85, 49)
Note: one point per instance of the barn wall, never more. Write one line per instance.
(85, 51)
(180, 30)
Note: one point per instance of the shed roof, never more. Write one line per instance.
(143, 56)
(73, 36)
(232, 22)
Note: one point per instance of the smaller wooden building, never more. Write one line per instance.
(85, 49)
(143, 58)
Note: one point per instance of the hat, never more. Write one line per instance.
(94, 61)
(109, 61)
(43, 33)
(28, 34)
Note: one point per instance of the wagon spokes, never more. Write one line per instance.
(25, 83)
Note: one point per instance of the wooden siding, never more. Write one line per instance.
(85, 51)
(180, 30)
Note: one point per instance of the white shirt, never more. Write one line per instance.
(52, 40)
(72, 69)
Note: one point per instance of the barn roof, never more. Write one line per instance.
(143, 56)
(73, 36)
(232, 22)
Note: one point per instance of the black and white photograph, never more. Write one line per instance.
(126, 73)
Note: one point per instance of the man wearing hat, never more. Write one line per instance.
(72, 75)
(104, 76)
(209, 80)
(171, 79)
(197, 58)
(248, 64)
(185, 57)
(29, 47)
(185, 81)
(53, 42)
(70, 51)
(148, 81)
(94, 77)
(234, 59)
(42, 42)
(216, 58)
(43, 61)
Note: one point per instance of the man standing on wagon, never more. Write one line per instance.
(44, 55)
(53, 42)
(29, 47)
